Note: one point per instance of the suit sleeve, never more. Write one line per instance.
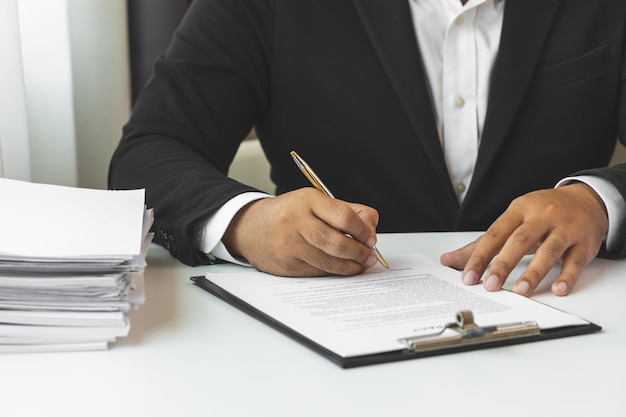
(616, 174)
(204, 97)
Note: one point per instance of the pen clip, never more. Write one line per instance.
(311, 176)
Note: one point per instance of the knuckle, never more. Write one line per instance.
(523, 238)
(553, 247)
(283, 217)
(519, 202)
(336, 245)
(516, 202)
(493, 232)
(337, 266)
(279, 265)
(501, 265)
(318, 235)
(344, 216)
(532, 276)
(287, 269)
(576, 262)
(478, 260)
(570, 274)
(323, 262)
(347, 268)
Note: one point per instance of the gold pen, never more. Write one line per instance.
(317, 183)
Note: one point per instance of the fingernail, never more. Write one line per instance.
(371, 261)
(470, 278)
(492, 283)
(371, 242)
(559, 288)
(522, 288)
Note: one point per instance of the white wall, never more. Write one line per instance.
(14, 158)
(101, 84)
(74, 60)
(49, 101)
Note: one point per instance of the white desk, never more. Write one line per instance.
(190, 354)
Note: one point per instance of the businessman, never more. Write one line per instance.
(420, 115)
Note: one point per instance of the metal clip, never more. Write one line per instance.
(469, 333)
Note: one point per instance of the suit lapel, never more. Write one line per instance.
(390, 28)
(525, 27)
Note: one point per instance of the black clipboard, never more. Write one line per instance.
(468, 335)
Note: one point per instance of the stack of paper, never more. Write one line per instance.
(71, 265)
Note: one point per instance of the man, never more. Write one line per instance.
(437, 113)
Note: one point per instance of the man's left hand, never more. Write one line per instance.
(564, 224)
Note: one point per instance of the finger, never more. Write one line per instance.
(335, 252)
(487, 247)
(574, 263)
(548, 254)
(368, 214)
(324, 264)
(521, 241)
(304, 259)
(294, 268)
(315, 263)
(343, 217)
(457, 259)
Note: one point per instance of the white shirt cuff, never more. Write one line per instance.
(613, 200)
(211, 232)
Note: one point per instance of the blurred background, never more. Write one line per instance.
(65, 83)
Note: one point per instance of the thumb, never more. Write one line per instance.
(458, 258)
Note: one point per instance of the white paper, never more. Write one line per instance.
(367, 314)
(65, 318)
(71, 265)
(40, 221)
(54, 347)
(64, 332)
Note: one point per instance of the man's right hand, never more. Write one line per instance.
(304, 233)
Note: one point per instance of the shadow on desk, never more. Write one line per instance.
(160, 310)
(591, 276)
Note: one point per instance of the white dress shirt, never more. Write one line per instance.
(459, 45)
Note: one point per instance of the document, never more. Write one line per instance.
(377, 311)
(47, 222)
(117, 319)
(71, 265)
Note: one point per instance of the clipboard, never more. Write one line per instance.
(460, 334)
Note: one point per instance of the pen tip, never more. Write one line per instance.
(380, 258)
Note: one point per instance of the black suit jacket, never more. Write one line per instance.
(342, 83)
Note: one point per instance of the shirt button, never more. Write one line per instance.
(459, 102)
(459, 20)
(460, 188)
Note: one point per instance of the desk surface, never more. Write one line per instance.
(190, 354)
